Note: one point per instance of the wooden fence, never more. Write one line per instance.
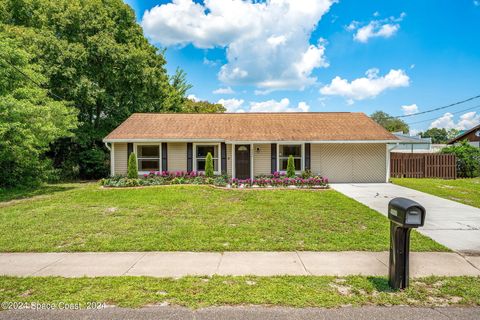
(423, 165)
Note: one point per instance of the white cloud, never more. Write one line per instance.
(232, 105)
(193, 97)
(476, 3)
(410, 109)
(267, 43)
(210, 63)
(352, 26)
(278, 106)
(227, 90)
(237, 105)
(262, 92)
(465, 122)
(384, 28)
(414, 132)
(374, 29)
(366, 87)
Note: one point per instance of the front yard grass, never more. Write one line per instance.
(195, 292)
(85, 217)
(466, 191)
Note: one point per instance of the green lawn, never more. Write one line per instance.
(85, 217)
(194, 292)
(466, 191)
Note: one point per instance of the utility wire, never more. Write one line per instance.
(31, 80)
(475, 107)
(404, 116)
(439, 108)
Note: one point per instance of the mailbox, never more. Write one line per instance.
(404, 214)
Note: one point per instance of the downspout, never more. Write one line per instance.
(108, 147)
(390, 147)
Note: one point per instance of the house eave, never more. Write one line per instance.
(106, 140)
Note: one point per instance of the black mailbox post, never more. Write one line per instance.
(404, 214)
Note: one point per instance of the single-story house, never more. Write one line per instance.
(472, 136)
(341, 146)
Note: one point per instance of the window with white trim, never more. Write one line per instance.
(284, 151)
(201, 151)
(148, 157)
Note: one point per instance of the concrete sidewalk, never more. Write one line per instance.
(453, 224)
(177, 264)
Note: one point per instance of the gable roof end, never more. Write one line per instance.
(463, 134)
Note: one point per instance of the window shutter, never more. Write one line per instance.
(274, 157)
(129, 149)
(307, 156)
(164, 157)
(189, 157)
(223, 167)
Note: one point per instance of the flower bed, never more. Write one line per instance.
(276, 180)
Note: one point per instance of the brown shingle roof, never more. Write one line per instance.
(303, 126)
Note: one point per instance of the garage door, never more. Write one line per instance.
(350, 162)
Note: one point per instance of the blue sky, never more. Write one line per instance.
(322, 55)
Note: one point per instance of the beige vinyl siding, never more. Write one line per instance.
(229, 160)
(261, 159)
(177, 156)
(120, 158)
(350, 162)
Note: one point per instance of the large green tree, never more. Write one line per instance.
(29, 118)
(93, 53)
(390, 123)
(439, 135)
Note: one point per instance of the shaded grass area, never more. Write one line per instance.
(85, 217)
(466, 191)
(194, 292)
(25, 192)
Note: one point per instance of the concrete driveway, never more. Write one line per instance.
(455, 225)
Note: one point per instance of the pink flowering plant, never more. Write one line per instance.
(275, 180)
(280, 180)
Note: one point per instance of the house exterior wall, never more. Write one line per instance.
(262, 161)
(120, 159)
(229, 160)
(471, 137)
(338, 162)
(350, 162)
(177, 156)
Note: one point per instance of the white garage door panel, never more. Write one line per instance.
(350, 162)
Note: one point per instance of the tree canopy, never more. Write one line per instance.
(390, 123)
(29, 119)
(94, 54)
(439, 135)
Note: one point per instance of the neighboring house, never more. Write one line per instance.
(341, 146)
(472, 136)
(415, 144)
